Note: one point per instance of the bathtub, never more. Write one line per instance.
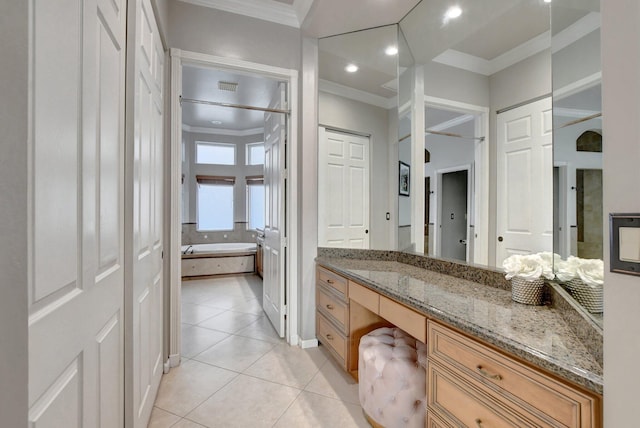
(207, 260)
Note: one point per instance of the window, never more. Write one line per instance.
(215, 153)
(255, 202)
(255, 154)
(215, 202)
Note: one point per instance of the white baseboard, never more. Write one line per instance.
(310, 343)
(174, 360)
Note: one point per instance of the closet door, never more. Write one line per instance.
(76, 242)
(525, 180)
(144, 225)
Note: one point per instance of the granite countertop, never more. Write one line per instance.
(536, 334)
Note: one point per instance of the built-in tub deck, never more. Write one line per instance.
(208, 260)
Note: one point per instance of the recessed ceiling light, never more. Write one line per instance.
(547, 1)
(216, 122)
(453, 12)
(351, 68)
(391, 50)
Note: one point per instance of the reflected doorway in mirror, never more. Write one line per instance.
(404, 170)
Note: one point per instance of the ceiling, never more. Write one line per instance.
(202, 84)
(489, 35)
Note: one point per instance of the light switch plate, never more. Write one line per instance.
(624, 239)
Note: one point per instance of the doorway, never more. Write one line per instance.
(282, 196)
(454, 197)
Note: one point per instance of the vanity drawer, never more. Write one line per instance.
(332, 338)
(408, 320)
(326, 277)
(550, 402)
(364, 296)
(434, 420)
(456, 402)
(332, 307)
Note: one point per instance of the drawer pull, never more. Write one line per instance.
(330, 281)
(328, 336)
(488, 375)
(330, 307)
(479, 423)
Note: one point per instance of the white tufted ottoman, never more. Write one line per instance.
(391, 376)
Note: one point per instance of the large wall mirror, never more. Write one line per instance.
(479, 108)
(357, 136)
(487, 144)
(578, 143)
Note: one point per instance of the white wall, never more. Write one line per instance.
(576, 61)
(621, 109)
(455, 84)
(350, 115)
(214, 32)
(308, 190)
(14, 169)
(239, 171)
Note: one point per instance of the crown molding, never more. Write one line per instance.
(273, 11)
(356, 94)
(578, 86)
(576, 31)
(452, 123)
(218, 131)
(566, 37)
(485, 67)
(573, 112)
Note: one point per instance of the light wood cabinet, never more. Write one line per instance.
(469, 383)
(488, 379)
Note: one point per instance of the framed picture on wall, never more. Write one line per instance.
(404, 179)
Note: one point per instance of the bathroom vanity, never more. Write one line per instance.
(491, 362)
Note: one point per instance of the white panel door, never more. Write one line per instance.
(525, 181)
(146, 181)
(343, 190)
(76, 289)
(274, 252)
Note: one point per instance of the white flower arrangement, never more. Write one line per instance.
(530, 266)
(590, 271)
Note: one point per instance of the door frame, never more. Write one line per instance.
(564, 234)
(178, 59)
(479, 208)
(437, 236)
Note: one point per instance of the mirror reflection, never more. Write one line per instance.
(578, 143)
(481, 111)
(357, 135)
(490, 165)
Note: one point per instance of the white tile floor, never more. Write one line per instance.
(236, 372)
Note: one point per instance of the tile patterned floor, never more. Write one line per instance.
(236, 372)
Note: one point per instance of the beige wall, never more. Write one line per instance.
(621, 153)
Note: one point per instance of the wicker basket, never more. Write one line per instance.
(527, 292)
(589, 297)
